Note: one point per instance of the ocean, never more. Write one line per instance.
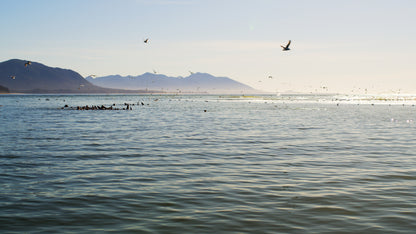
(208, 164)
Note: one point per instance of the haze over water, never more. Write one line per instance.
(208, 164)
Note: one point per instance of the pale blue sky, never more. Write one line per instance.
(343, 45)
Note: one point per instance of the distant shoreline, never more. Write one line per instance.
(135, 92)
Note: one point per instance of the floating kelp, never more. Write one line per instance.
(125, 106)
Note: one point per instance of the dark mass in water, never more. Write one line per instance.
(126, 106)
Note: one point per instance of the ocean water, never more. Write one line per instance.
(208, 164)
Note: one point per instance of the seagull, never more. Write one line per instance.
(28, 63)
(270, 77)
(147, 40)
(286, 47)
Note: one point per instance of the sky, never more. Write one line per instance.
(352, 46)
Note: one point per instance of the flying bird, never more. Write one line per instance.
(13, 77)
(270, 77)
(28, 63)
(286, 47)
(147, 40)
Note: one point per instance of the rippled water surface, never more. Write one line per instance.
(207, 164)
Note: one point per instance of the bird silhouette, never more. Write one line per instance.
(147, 40)
(28, 63)
(286, 47)
(13, 77)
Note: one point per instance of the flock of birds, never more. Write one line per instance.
(285, 48)
(146, 41)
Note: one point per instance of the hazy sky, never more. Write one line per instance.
(347, 46)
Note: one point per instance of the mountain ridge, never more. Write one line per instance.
(22, 76)
(194, 83)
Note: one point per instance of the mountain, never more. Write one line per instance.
(196, 82)
(38, 78)
(17, 76)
